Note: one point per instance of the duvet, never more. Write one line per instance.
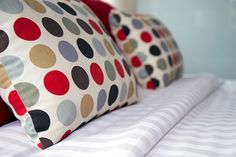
(195, 116)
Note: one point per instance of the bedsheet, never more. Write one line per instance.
(132, 131)
(209, 130)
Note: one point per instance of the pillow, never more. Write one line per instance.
(149, 47)
(6, 116)
(59, 68)
(97, 6)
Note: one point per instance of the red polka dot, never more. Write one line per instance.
(97, 73)
(26, 29)
(161, 33)
(150, 85)
(40, 145)
(16, 103)
(119, 68)
(66, 134)
(136, 61)
(146, 37)
(95, 26)
(56, 83)
(175, 59)
(121, 35)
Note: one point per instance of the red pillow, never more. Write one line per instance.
(6, 116)
(102, 10)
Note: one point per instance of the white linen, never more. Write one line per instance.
(208, 131)
(129, 132)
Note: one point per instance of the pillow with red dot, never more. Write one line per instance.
(149, 47)
(6, 116)
(59, 68)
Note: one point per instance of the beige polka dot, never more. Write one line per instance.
(147, 22)
(130, 46)
(170, 46)
(5, 82)
(109, 47)
(86, 105)
(131, 89)
(42, 56)
(36, 6)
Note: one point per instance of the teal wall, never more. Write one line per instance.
(204, 29)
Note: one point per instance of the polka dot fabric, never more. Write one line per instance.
(58, 67)
(150, 48)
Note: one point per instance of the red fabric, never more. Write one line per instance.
(6, 115)
(102, 10)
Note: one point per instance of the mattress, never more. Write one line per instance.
(194, 116)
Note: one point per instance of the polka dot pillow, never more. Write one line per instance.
(149, 46)
(58, 67)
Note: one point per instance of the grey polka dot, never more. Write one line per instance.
(71, 26)
(11, 6)
(68, 51)
(111, 73)
(53, 6)
(123, 92)
(166, 79)
(142, 56)
(29, 128)
(143, 73)
(164, 47)
(13, 65)
(66, 112)
(99, 47)
(116, 47)
(102, 96)
(80, 10)
(137, 24)
(28, 93)
(161, 64)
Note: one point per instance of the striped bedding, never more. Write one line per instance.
(195, 116)
(208, 131)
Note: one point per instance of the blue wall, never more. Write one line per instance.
(204, 29)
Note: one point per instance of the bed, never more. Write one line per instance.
(195, 116)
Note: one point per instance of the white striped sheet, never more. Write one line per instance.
(131, 131)
(208, 131)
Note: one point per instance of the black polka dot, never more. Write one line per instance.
(149, 69)
(170, 61)
(117, 18)
(175, 44)
(154, 50)
(85, 26)
(125, 104)
(40, 119)
(127, 68)
(4, 41)
(155, 82)
(80, 77)
(52, 27)
(156, 21)
(155, 33)
(126, 30)
(81, 125)
(45, 142)
(85, 48)
(67, 8)
(126, 14)
(103, 28)
(113, 94)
